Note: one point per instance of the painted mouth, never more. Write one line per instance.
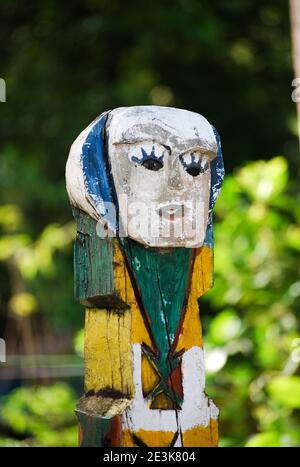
(171, 212)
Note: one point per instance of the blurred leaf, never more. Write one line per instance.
(10, 217)
(215, 359)
(293, 237)
(263, 180)
(12, 443)
(79, 342)
(264, 440)
(23, 304)
(225, 326)
(37, 409)
(286, 391)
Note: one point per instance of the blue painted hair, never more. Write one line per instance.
(217, 176)
(95, 169)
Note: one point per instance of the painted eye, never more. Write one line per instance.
(153, 164)
(149, 156)
(193, 171)
(194, 163)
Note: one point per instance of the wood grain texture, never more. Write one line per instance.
(99, 432)
(108, 364)
(109, 384)
(100, 284)
(202, 436)
(202, 280)
(94, 268)
(145, 438)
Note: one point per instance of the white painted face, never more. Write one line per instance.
(160, 161)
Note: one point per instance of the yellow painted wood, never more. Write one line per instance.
(150, 438)
(191, 332)
(124, 288)
(150, 377)
(120, 273)
(107, 350)
(162, 402)
(139, 330)
(202, 278)
(202, 436)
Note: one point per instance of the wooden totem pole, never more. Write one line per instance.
(142, 182)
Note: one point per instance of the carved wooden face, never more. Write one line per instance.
(160, 160)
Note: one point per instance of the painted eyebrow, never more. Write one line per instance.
(204, 152)
(140, 142)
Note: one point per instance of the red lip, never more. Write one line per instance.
(171, 212)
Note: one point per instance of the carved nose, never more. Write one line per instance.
(174, 180)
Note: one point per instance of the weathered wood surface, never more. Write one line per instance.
(144, 362)
(159, 340)
(95, 270)
(108, 366)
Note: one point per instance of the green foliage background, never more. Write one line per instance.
(66, 62)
